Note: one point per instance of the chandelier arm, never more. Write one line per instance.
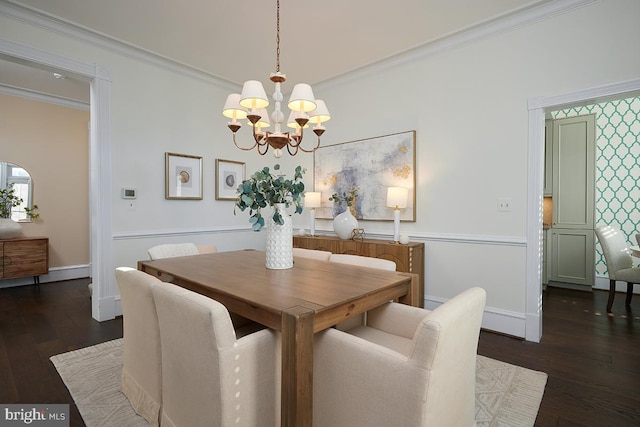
(266, 148)
(289, 149)
(243, 148)
(313, 149)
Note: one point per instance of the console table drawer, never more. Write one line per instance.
(23, 257)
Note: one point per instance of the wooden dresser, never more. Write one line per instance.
(23, 257)
(408, 258)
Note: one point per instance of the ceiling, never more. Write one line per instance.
(235, 40)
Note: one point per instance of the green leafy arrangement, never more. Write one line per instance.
(8, 200)
(348, 198)
(264, 189)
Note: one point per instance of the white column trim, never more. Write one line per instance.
(103, 303)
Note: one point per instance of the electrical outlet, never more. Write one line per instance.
(504, 205)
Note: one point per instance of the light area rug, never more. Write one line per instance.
(506, 395)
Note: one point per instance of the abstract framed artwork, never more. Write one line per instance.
(229, 174)
(183, 176)
(370, 166)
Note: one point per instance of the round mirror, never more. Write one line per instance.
(23, 188)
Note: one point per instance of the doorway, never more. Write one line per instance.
(537, 108)
(101, 265)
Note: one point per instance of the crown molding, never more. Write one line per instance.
(42, 97)
(53, 23)
(526, 15)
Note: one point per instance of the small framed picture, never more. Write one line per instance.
(183, 177)
(229, 175)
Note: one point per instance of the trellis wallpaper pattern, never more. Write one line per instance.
(617, 166)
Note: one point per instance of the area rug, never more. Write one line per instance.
(506, 395)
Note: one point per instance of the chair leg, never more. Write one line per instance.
(612, 293)
(629, 294)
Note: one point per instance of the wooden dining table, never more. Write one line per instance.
(299, 302)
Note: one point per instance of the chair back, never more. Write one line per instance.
(364, 261)
(638, 238)
(142, 370)
(208, 377)
(446, 345)
(171, 250)
(615, 248)
(207, 249)
(311, 253)
(417, 370)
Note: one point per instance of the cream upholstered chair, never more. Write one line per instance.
(170, 250)
(207, 249)
(408, 367)
(210, 378)
(364, 261)
(141, 373)
(619, 263)
(311, 253)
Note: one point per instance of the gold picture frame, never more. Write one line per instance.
(229, 174)
(183, 177)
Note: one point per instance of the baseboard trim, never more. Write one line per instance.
(56, 274)
(494, 319)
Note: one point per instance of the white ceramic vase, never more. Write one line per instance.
(9, 228)
(279, 246)
(344, 223)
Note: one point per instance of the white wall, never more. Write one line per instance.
(467, 103)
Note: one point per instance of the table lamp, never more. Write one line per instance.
(397, 199)
(312, 201)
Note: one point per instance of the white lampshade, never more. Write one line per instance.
(264, 121)
(302, 99)
(312, 199)
(232, 108)
(320, 114)
(253, 95)
(397, 197)
(291, 121)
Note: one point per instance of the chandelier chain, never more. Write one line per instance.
(278, 36)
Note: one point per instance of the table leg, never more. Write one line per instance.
(297, 367)
(413, 297)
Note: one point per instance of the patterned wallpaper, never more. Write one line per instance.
(617, 166)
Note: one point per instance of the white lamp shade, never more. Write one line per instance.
(397, 197)
(302, 99)
(232, 108)
(264, 121)
(253, 95)
(291, 121)
(312, 199)
(320, 114)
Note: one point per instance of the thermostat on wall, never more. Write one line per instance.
(128, 193)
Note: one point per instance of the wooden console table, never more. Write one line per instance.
(23, 257)
(409, 258)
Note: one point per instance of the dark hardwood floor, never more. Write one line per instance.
(593, 360)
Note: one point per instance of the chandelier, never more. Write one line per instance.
(251, 104)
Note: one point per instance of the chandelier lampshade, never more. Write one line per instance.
(232, 108)
(320, 114)
(253, 95)
(252, 102)
(302, 99)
